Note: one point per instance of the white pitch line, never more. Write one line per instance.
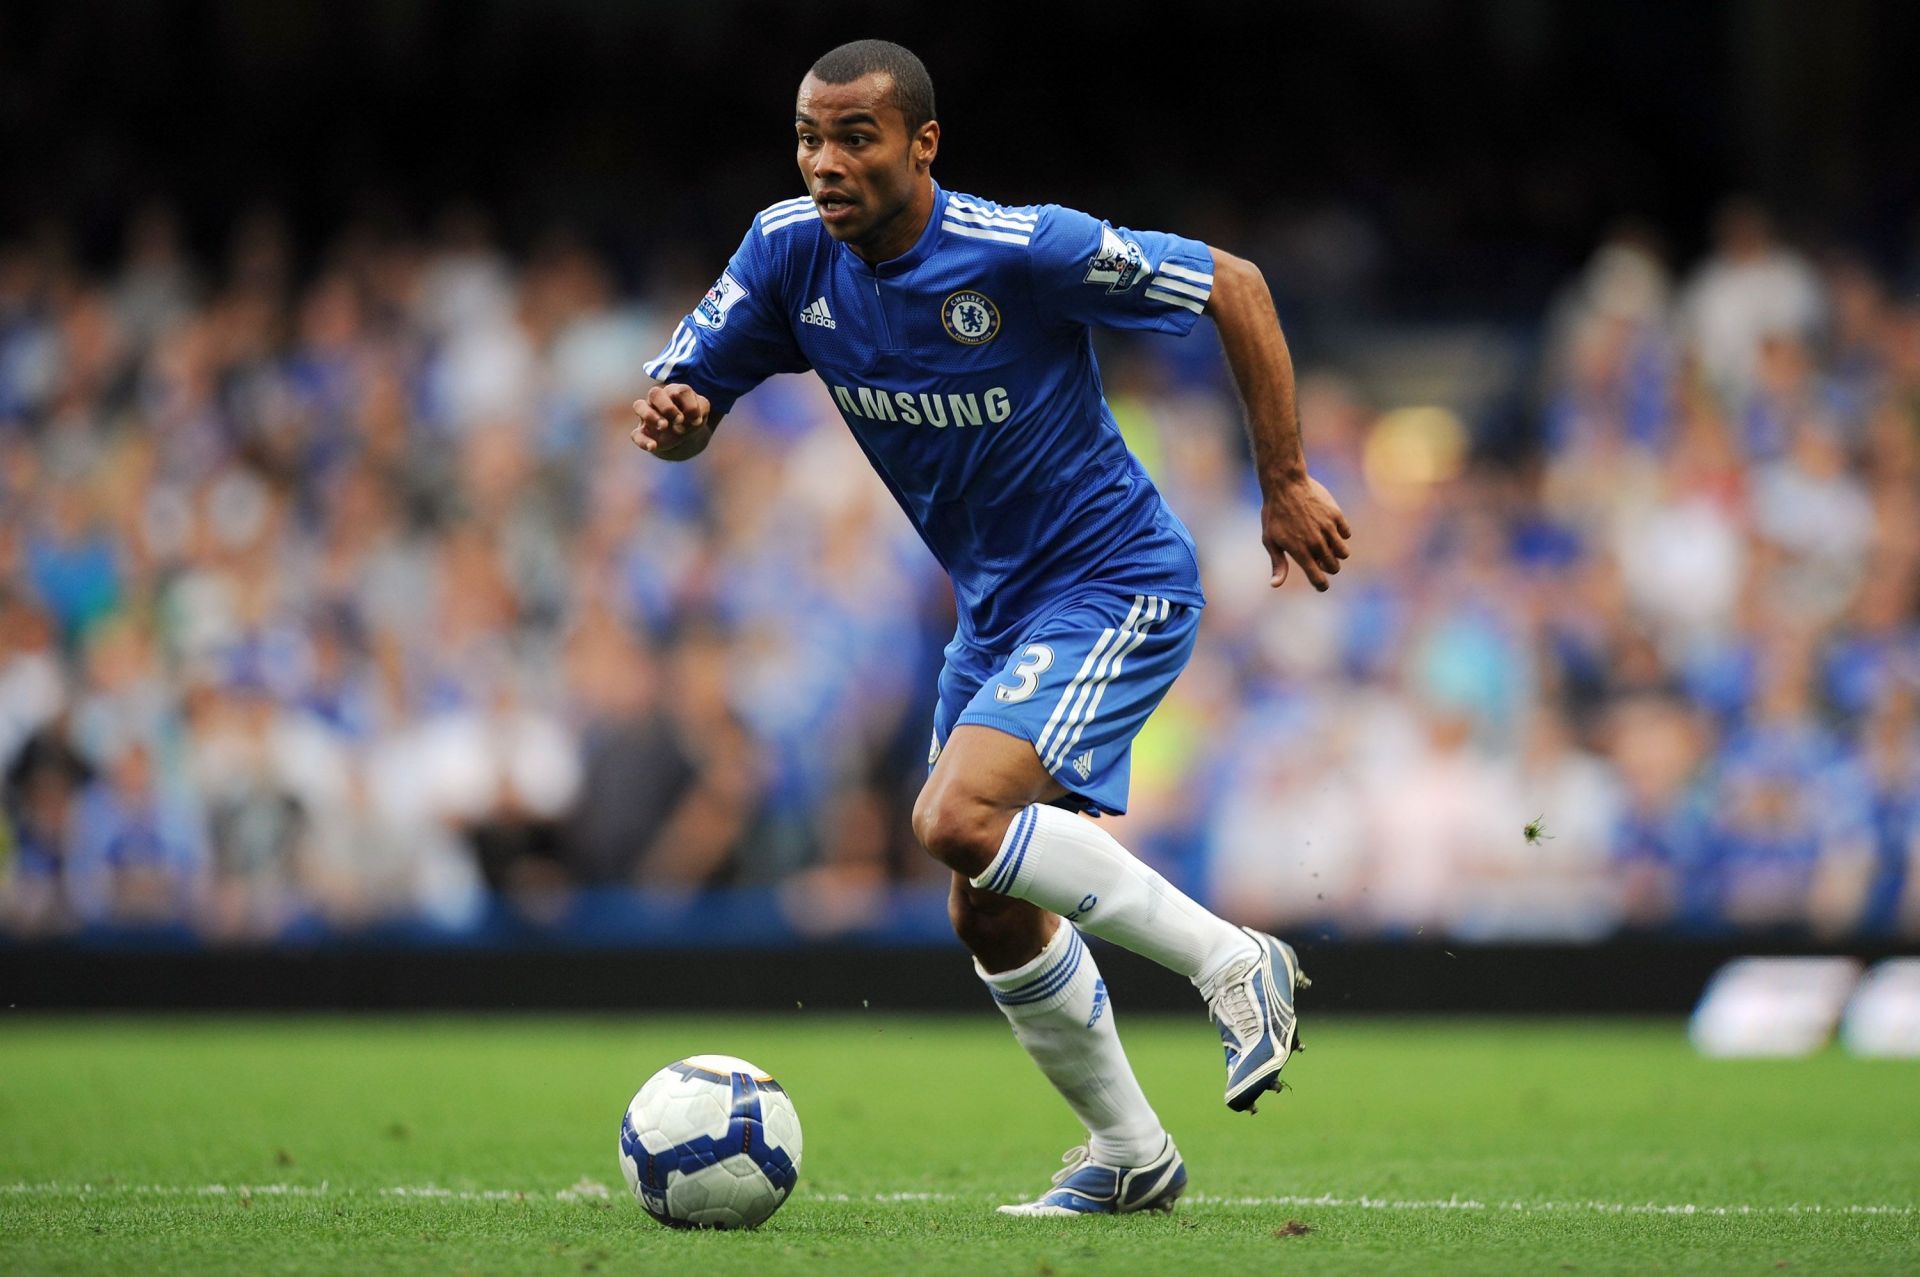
(1522, 1206)
(44, 1189)
(584, 1190)
(587, 1189)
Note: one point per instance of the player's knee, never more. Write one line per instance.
(961, 831)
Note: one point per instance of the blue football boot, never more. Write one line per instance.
(1252, 1004)
(1086, 1187)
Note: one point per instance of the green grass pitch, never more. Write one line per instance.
(488, 1146)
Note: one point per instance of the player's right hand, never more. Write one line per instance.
(668, 415)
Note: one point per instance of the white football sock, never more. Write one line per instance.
(1058, 1007)
(1070, 865)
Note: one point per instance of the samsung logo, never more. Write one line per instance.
(912, 409)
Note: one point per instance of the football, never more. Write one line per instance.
(710, 1142)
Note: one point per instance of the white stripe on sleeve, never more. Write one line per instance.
(977, 232)
(1161, 296)
(676, 354)
(794, 205)
(1181, 272)
(807, 214)
(1194, 291)
(973, 206)
(988, 219)
(659, 361)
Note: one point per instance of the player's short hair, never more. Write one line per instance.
(912, 86)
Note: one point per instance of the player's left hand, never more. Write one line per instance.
(1301, 521)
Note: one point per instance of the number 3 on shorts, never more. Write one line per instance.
(1037, 660)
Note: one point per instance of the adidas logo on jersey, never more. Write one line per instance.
(818, 314)
(1084, 764)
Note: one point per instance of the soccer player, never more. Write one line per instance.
(953, 334)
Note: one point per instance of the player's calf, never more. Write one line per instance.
(1003, 933)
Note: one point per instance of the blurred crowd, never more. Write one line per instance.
(332, 594)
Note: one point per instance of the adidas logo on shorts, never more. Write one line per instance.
(1084, 764)
(818, 313)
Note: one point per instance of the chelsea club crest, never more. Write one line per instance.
(971, 318)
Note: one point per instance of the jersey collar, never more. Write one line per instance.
(913, 256)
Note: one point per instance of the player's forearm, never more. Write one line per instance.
(1262, 368)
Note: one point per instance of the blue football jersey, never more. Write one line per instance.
(965, 370)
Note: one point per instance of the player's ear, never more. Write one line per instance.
(926, 144)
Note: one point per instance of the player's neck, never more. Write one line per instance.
(899, 233)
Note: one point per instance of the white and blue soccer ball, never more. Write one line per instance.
(710, 1142)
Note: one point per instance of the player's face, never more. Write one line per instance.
(866, 172)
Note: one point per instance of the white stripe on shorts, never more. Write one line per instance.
(1157, 610)
(1086, 668)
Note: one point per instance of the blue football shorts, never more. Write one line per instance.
(1078, 683)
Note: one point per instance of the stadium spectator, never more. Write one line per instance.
(1751, 288)
(138, 847)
